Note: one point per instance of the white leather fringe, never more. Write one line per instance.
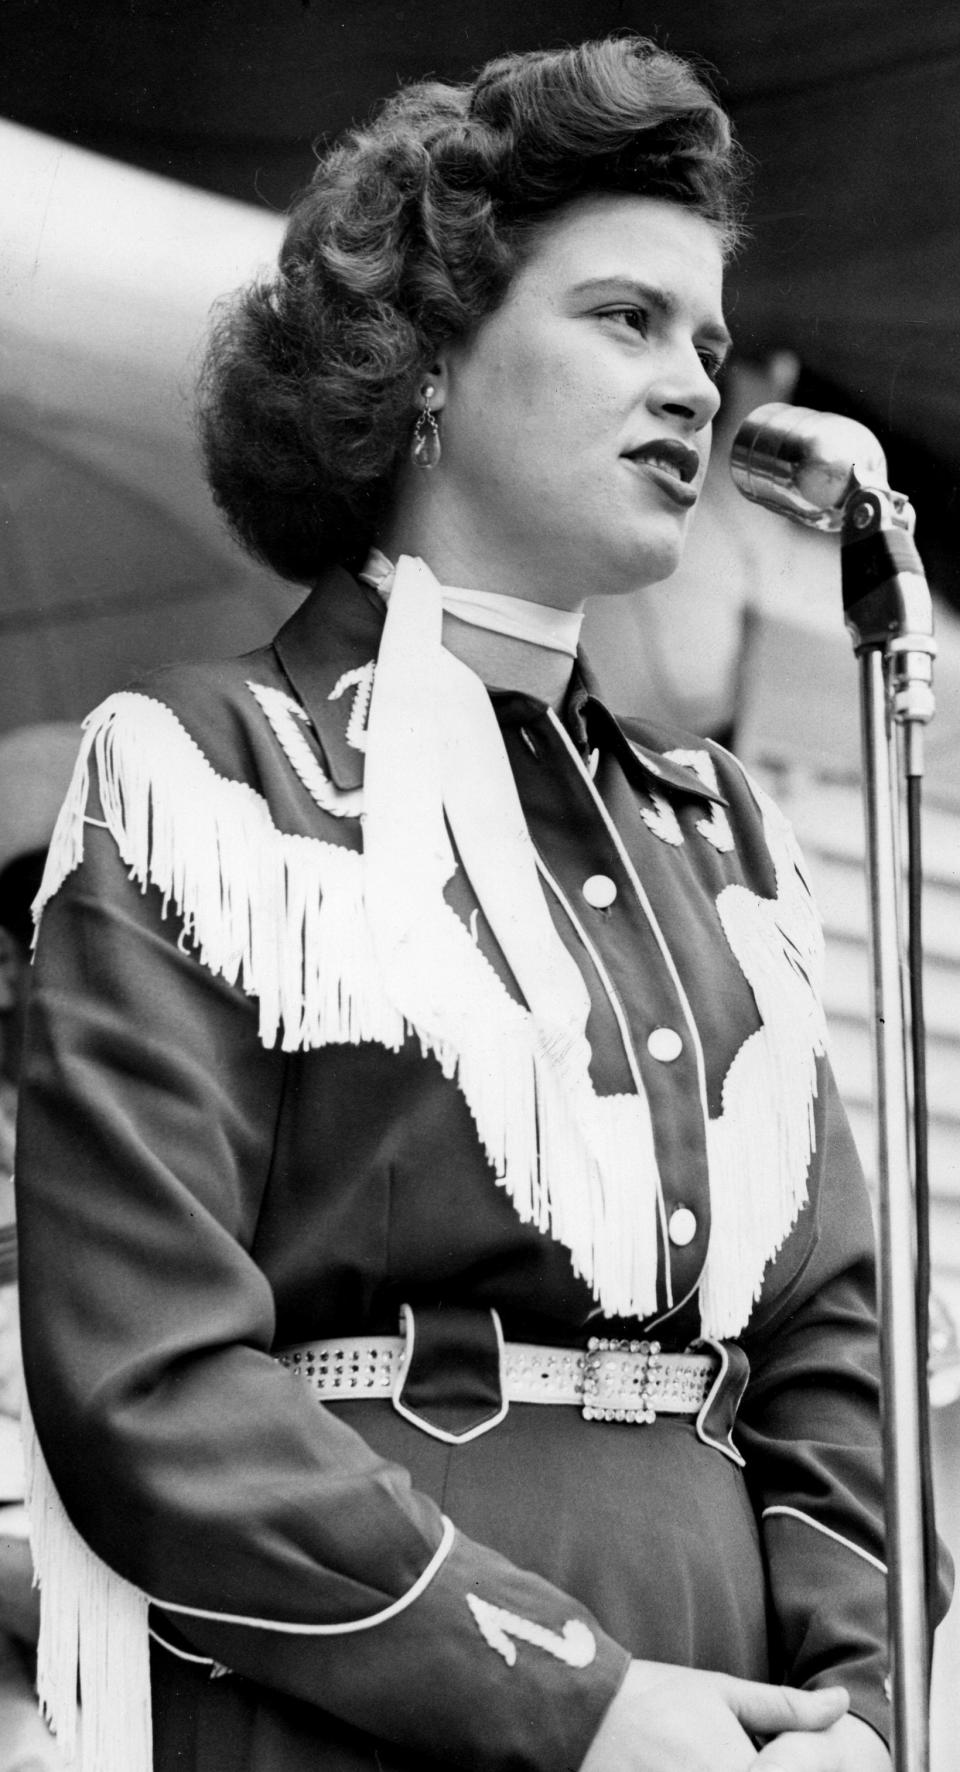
(759, 1149)
(285, 918)
(94, 1653)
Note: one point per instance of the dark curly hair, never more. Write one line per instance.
(408, 236)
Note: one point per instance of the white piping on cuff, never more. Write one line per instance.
(422, 1582)
(828, 1532)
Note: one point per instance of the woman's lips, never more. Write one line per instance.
(680, 492)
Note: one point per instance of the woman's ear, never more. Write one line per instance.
(433, 384)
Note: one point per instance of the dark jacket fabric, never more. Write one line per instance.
(197, 1193)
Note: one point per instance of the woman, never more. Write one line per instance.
(368, 1000)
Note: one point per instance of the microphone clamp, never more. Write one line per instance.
(804, 464)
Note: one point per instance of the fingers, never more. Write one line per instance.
(849, 1745)
(675, 1719)
(799, 1752)
(775, 1710)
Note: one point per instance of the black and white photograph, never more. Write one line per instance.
(479, 886)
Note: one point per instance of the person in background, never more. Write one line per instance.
(439, 1227)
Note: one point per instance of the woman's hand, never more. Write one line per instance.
(678, 1719)
(849, 1745)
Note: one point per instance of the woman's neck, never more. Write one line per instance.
(503, 662)
(424, 523)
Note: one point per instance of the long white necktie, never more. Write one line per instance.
(435, 758)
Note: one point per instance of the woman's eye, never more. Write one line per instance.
(711, 363)
(635, 318)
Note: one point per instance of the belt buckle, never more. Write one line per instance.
(639, 1387)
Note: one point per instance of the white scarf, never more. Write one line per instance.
(558, 630)
(435, 756)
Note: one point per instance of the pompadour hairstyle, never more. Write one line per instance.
(407, 236)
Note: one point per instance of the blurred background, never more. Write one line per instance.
(148, 148)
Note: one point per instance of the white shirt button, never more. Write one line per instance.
(682, 1227)
(600, 891)
(665, 1044)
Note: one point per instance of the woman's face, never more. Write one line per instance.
(576, 419)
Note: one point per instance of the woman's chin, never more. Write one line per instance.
(655, 559)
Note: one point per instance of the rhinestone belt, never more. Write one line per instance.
(608, 1381)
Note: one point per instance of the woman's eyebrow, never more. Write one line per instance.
(651, 296)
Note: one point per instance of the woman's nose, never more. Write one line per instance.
(687, 391)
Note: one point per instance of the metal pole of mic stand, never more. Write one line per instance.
(901, 1428)
(884, 593)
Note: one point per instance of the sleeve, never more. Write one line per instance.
(810, 1431)
(186, 1458)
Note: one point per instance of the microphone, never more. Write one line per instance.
(805, 464)
(830, 473)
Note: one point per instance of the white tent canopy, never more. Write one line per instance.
(112, 556)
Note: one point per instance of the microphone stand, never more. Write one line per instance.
(888, 612)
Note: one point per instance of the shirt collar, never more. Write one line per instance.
(337, 629)
(592, 726)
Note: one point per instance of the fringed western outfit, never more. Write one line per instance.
(230, 1146)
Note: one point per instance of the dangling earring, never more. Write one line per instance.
(426, 434)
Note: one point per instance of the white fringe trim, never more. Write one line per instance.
(93, 1654)
(279, 915)
(761, 1146)
(757, 1159)
(94, 1648)
(284, 917)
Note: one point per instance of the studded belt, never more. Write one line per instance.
(630, 1381)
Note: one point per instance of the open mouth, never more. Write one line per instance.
(671, 465)
(672, 457)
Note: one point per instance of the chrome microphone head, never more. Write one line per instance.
(805, 464)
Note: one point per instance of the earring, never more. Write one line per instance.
(426, 433)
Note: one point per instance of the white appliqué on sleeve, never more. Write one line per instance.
(575, 1645)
